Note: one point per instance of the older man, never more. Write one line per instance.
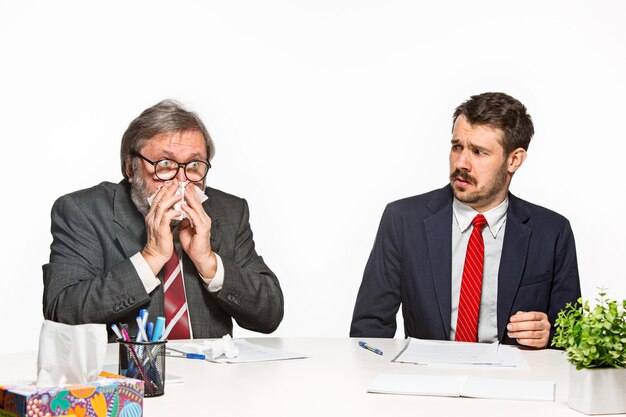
(160, 240)
(472, 262)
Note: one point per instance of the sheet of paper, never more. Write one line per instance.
(428, 352)
(511, 356)
(248, 352)
(462, 386)
(441, 386)
(251, 352)
(508, 389)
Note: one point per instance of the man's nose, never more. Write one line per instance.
(180, 175)
(463, 161)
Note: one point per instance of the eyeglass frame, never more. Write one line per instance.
(180, 164)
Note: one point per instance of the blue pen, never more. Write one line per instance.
(370, 348)
(158, 329)
(150, 330)
(182, 354)
(143, 313)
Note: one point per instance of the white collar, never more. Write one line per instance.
(495, 217)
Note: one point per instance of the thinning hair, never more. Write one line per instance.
(164, 117)
(499, 110)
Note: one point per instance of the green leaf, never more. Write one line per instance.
(593, 336)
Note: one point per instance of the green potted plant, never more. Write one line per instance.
(594, 339)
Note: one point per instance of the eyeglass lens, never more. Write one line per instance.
(194, 170)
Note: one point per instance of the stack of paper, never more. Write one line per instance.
(247, 352)
(459, 355)
(463, 386)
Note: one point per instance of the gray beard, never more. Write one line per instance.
(139, 193)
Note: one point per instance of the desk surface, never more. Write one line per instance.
(332, 381)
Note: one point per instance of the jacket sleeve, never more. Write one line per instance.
(566, 282)
(379, 296)
(77, 289)
(251, 293)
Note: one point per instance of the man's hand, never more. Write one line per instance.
(530, 328)
(160, 240)
(195, 235)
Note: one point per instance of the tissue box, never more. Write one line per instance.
(110, 396)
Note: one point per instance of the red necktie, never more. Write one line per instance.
(471, 284)
(176, 313)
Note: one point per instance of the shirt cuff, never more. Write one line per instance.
(215, 284)
(149, 281)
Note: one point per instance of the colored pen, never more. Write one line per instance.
(125, 335)
(158, 329)
(141, 331)
(182, 354)
(168, 329)
(123, 326)
(149, 331)
(117, 332)
(370, 348)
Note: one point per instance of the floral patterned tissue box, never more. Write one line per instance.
(109, 396)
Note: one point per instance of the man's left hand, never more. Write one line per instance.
(530, 328)
(195, 235)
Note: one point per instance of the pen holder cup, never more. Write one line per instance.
(144, 361)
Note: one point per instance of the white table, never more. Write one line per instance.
(332, 381)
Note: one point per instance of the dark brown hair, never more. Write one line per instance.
(501, 111)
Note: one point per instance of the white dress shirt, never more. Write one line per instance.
(493, 235)
(150, 282)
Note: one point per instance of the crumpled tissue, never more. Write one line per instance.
(181, 191)
(213, 349)
(70, 354)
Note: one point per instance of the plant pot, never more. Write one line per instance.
(597, 390)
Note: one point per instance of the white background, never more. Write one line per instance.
(322, 112)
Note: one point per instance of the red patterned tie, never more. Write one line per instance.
(471, 284)
(176, 313)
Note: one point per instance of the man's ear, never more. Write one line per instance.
(128, 168)
(515, 160)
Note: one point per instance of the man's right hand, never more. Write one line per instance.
(160, 240)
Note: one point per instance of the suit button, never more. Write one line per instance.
(131, 300)
(125, 303)
(116, 308)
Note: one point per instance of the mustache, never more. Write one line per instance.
(462, 175)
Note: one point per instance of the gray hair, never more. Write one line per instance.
(165, 116)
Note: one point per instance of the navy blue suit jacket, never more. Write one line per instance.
(411, 263)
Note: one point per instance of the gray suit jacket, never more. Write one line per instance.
(90, 278)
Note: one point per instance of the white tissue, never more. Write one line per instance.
(181, 191)
(70, 354)
(213, 349)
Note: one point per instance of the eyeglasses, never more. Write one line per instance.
(167, 169)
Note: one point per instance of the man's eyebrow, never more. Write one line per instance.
(480, 148)
(194, 156)
(469, 145)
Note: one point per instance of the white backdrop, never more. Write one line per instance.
(322, 112)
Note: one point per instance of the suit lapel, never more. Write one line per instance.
(213, 210)
(439, 239)
(513, 260)
(131, 233)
